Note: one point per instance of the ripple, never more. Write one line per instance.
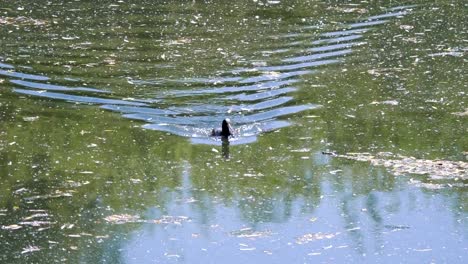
(261, 95)
(234, 89)
(337, 40)
(402, 7)
(137, 109)
(275, 76)
(24, 75)
(396, 14)
(43, 86)
(318, 56)
(254, 98)
(208, 109)
(271, 114)
(345, 32)
(266, 104)
(200, 133)
(298, 66)
(76, 98)
(367, 23)
(335, 46)
(6, 66)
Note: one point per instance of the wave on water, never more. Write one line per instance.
(254, 98)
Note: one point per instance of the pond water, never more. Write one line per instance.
(107, 107)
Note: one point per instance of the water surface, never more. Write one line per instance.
(106, 111)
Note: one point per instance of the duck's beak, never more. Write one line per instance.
(231, 130)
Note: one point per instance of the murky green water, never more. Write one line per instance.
(106, 110)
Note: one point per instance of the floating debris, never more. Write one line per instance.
(447, 53)
(303, 150)
(37, 223)
(249, 233)
(387, 102)
(436, 186)
(348, 10)
(406, 27)
(12, 227)
(431, 186)
(314, 236)
(57, 194)
(171, 255)
(22, 21)
(191, 200)
(122, 219)
(73, 184)
(21, 190)
(385, 71)
(38, 215)
(396, 227)
(247, 248)
(334, 172)
(30, 249)
(253, 175)
(126, 218)
(353, 229)
(400, 165)
(109, 61)
(135, 181)
(422, 249)
(167, 219)
(30, 118)
(461, 113)
(67, 226)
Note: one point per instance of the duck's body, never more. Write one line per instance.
(225, 131)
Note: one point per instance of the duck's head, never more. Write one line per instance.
(226, 128)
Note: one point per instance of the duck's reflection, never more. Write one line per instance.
(225, 147)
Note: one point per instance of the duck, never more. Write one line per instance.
(225, 131)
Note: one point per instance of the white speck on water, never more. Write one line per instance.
(30, 249)
(423, 249)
